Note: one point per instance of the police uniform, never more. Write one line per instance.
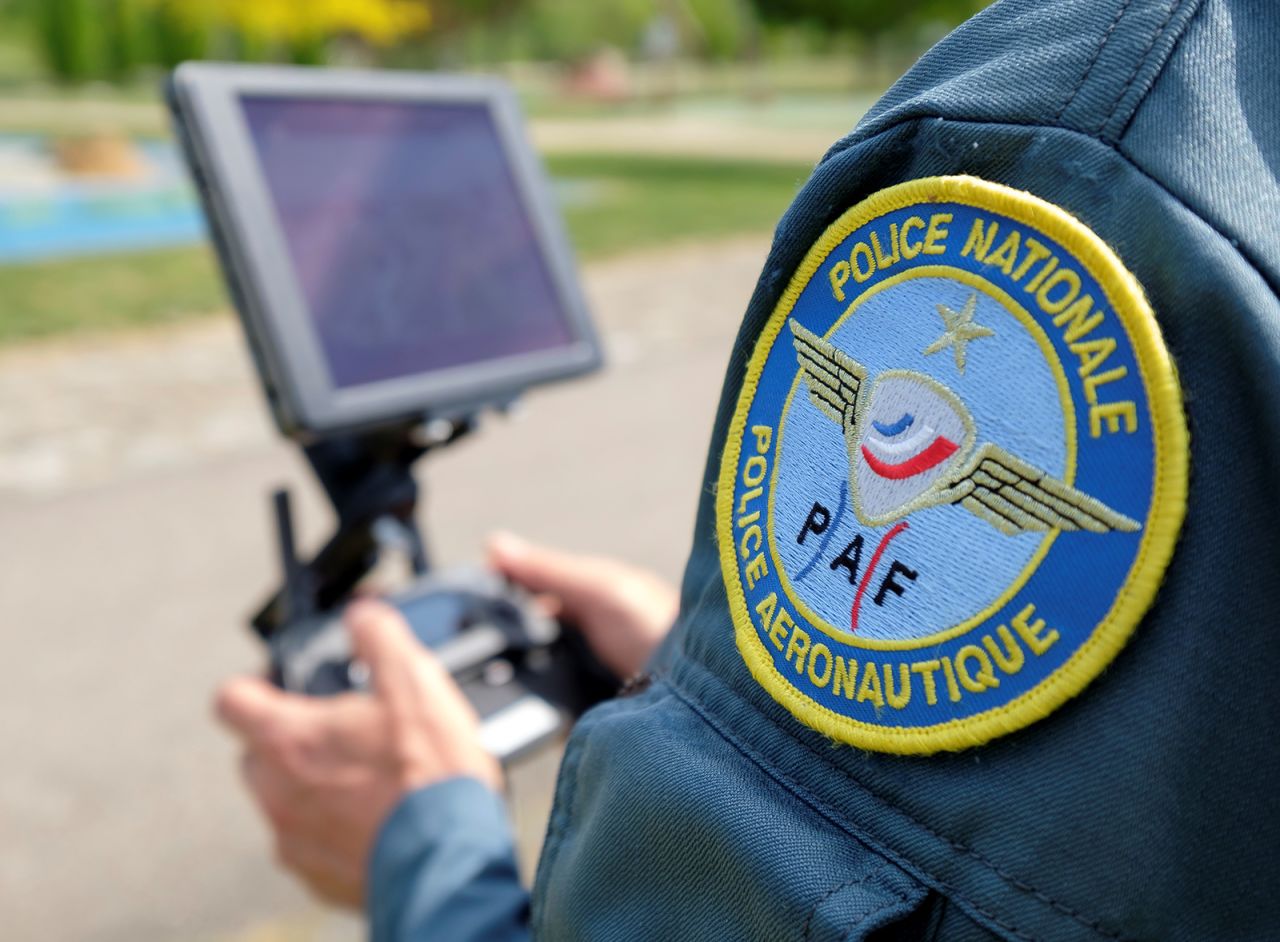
(977, 632)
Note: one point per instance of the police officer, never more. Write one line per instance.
(975, 638)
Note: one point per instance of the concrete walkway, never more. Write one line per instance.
(134, 474)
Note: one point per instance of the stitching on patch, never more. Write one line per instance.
(1012, 879)
(1097, 54)
(1139, 63)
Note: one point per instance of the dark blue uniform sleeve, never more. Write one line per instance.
(444, 867)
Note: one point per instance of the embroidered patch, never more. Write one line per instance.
(956, 472)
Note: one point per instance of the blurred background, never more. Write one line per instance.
(136, 457)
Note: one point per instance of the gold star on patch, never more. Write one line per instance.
(960, 331)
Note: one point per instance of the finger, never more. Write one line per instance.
(266, 786)
(249, 706)
(398, 663)
(380, 637)
(540, 570)
(550, 605)
(251, 770)
(408, 679)
(350, 728)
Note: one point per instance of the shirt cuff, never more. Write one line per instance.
(444, 867)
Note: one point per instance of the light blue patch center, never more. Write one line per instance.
(951, 564)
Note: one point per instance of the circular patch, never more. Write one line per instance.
(956, 471)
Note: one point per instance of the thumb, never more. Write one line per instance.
(382, 639)
(544, 571)
(250, 707)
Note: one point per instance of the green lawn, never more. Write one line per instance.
(653, 200)
(614, 203)
(105, 292)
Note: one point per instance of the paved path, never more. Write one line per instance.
(134, 537)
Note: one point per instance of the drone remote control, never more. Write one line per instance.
(526, 676)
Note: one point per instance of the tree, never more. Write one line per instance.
(868, 17)
(67, 39)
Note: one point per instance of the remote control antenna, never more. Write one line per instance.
(297, 598)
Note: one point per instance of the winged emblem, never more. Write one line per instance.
(911, 445)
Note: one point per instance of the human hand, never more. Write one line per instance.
(624, 612)
(327, 772)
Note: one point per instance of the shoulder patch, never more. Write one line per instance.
(956, 471)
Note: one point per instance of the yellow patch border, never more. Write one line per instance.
(1169, 487)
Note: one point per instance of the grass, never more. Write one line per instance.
(653, 200)
(616, 203)
(32, 103)
(106, 292)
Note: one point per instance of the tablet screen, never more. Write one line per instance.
(409, 238)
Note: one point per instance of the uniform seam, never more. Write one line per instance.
(847, 884)
(1186, 28)
(862, 920)
(940, 914)
(840, 821)
(1138, 66)
(570, 768)
(1093, 62)
(919, 119)
(1009, 878)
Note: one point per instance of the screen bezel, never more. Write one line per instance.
(259, 264)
